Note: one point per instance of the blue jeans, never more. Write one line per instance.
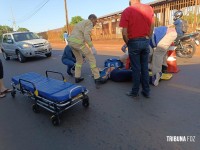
(139, 52)
(69, 64)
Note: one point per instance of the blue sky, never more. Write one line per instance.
(52, 14)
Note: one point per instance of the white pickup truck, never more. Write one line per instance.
(23, 45)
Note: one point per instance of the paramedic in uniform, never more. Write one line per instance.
(137, 22)
(78, 39)
(161, 40)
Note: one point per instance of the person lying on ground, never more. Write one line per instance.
(160, 42)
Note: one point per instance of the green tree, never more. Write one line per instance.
(76, 20)
(22, 30)
(5, 29)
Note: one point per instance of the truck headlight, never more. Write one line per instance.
(46, 43)
(27, 45)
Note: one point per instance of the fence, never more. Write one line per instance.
(108, 26)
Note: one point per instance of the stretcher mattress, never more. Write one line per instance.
(49, 88)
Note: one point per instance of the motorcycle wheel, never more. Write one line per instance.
(188, 50)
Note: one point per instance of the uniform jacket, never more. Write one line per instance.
(81, 33)
(158, 34)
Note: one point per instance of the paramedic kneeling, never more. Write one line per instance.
(138, 23)
(68, 59)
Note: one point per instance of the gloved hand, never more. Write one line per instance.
(94, 51)
(124, 48)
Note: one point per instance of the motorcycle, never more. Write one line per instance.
(186, 45)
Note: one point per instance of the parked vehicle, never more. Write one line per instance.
(186, 46)
(23, 45)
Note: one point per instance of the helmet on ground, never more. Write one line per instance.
(178, 14)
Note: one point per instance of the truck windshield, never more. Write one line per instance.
(24, 36)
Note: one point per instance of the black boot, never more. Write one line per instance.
(77, 80)
(98, 82)
(69, 73)
(164, 69)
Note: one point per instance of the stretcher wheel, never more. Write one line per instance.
(13, 94)
(35, 108)
(85, 102)
(55, 120)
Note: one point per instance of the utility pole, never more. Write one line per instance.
(66, 16)
(13, 21)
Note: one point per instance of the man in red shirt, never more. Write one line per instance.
(137, 22)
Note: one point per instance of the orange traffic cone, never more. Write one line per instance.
(171, 60)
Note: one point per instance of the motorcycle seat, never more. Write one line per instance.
(185, 37)
(195, 34)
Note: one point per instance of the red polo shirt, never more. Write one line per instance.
(137, 19)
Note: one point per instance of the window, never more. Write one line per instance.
(5, 38)
(9, 37)
(24, 36)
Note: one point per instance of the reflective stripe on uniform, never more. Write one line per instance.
(71, 39)
(82, 47)
(78, 65)
(93, 66)
(90, 44)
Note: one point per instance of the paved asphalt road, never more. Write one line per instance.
(113, 121)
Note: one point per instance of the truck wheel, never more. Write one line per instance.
(21, 57)
(5, 56)
(48, 55)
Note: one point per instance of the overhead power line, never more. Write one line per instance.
(36, 11)
(27, 15)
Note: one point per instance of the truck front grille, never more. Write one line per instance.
(40, 52)
(38, 45)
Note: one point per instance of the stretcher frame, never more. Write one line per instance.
(54, 107)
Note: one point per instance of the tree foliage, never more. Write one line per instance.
(22, 30)
(76, 20)
(5, 29)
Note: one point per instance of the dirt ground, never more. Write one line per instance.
(107, 47)
(104, 47)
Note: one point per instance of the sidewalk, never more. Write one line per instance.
(107, 47)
